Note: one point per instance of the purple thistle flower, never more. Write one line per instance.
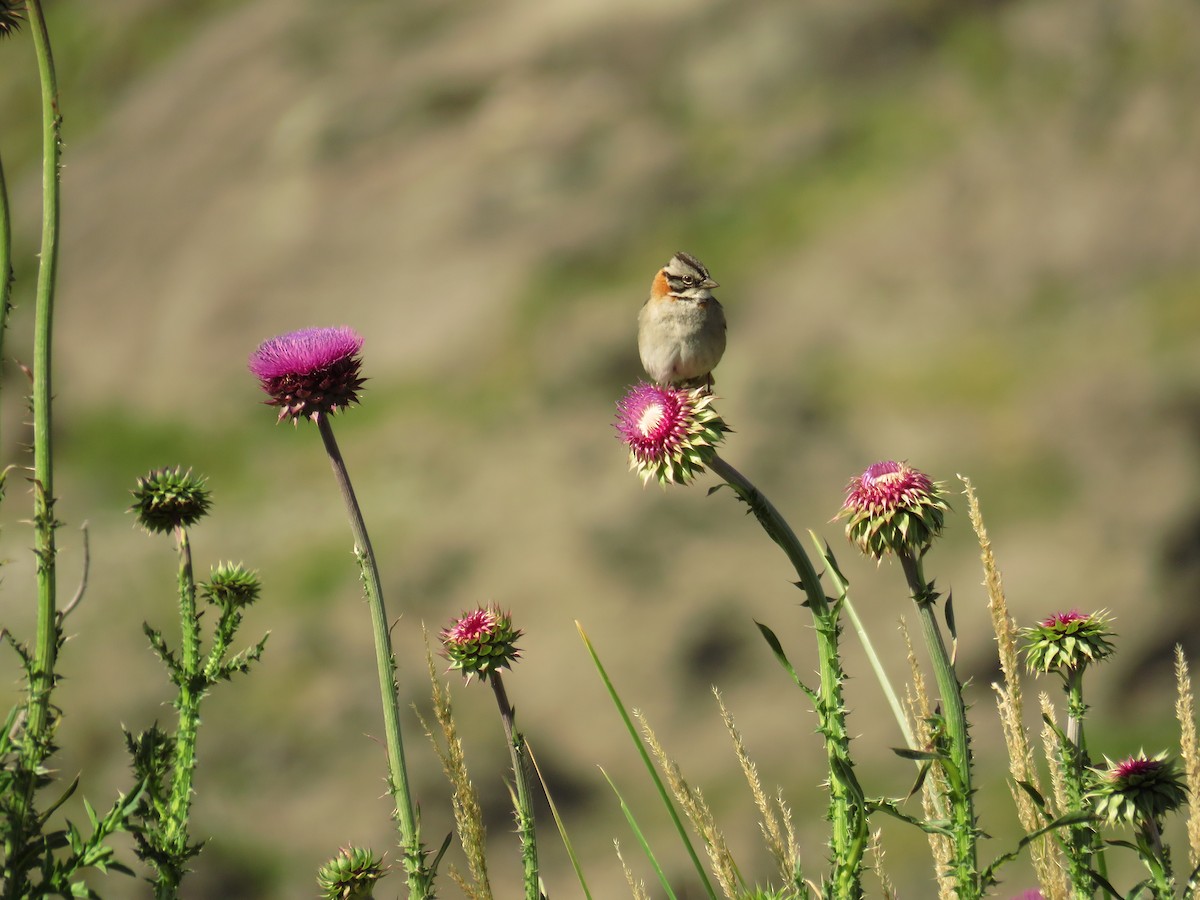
(892, 507)
(309, 372)
(671, 432)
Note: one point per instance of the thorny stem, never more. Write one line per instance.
(420, 879)
(518, 751)
(191, 690)
(1158, 859)
(1084, 845)
(847, 807)
(962, 798)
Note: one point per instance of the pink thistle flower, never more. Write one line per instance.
(1067, 642)
(1034, 894)
(1061, 620)
(1138, 789)
(309, 372)
(671, 432)
(893, 508)
(481, 642)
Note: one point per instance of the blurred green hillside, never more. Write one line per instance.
(965, 235)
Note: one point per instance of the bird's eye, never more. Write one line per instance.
(688, 279)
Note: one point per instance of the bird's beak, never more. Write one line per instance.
(709, 283)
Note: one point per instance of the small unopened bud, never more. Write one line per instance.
(167, 499)
(351, 875)
(10, 21)
(231, 586)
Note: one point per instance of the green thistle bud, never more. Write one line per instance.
(481, 642)
(893, 508)
(351, 875)
(10, 22)
(1067, 642)
(671, 432)
(167, 499)
(1137, 790)
(231, 586)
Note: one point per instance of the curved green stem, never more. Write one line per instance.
(847, 808)
(420, 879)
(518, 752)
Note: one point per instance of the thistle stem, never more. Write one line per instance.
(36, 745)
(420, 879)
(46, 643)
(1082, 838)
(962, 804)
(846, 807)
(1157, 859)
(519, 754)
(192, 686)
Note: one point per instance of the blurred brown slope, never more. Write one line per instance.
(963, 238)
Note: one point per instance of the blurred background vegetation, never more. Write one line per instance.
(961, 234)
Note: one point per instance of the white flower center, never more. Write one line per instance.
(650, 418)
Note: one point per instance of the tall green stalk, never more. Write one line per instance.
(958, 775)
(36, 745)
(847, 807)
(46, 644)
(420, 878)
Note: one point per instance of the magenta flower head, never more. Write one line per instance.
(671, 432)
(1033, 894)
(893, 508)
(1137, 790)
(481, 642)
(1067, 642)
(309, 372)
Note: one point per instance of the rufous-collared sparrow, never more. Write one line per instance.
(681, 328)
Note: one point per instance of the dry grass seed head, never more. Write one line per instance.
(698, 813)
